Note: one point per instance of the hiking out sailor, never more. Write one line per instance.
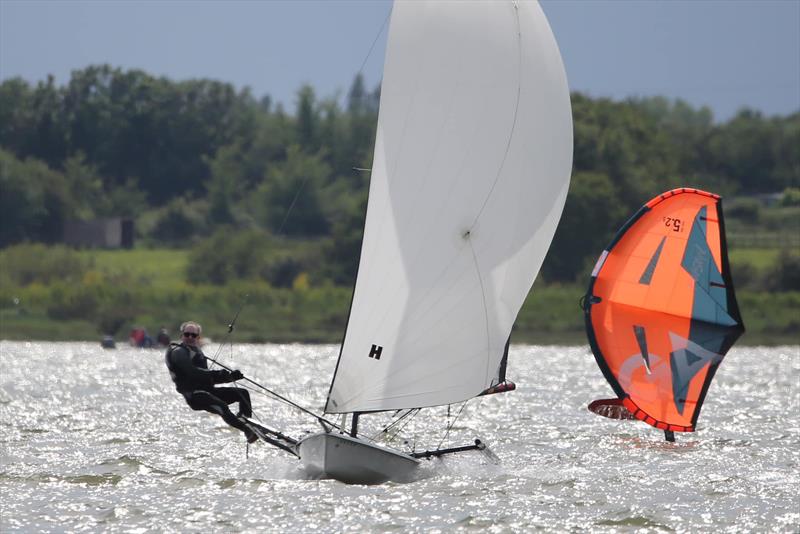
(195, 381)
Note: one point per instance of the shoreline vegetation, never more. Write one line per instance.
(293, 319)
(110, 292)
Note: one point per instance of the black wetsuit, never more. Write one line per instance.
(195, 381)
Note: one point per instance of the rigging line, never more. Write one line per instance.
(302, 185)
(389, 426)
(380, 32)
(226, 339)
(255, 415)
(269, 395)
(282, 398)
(291, 206)
(411, 412)
(450, 426)
(393, 436)
(230, 330)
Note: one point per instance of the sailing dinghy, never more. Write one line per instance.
(661, 312)
(470, 172)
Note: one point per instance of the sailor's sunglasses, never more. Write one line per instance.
(190, 334)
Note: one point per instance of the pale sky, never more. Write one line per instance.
(726, 54)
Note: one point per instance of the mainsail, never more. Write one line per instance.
(661, 311)
(470, 172)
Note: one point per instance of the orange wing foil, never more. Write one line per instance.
(661, 312)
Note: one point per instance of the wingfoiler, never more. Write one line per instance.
(661, 311)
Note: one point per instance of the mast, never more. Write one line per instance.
(501, 373)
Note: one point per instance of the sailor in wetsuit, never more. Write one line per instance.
(195, 381)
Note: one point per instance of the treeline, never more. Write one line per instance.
(192, 161)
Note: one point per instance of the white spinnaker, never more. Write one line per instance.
(470, 173)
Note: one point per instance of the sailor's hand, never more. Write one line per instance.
(236, 375)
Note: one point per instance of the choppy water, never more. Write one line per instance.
(98, 440)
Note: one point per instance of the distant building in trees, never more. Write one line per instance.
(114, 232)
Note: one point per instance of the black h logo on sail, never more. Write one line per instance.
(376, 352)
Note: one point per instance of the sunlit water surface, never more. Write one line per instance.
(97, 439)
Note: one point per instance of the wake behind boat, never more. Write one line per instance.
(471, 169)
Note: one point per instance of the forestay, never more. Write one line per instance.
(470, 172)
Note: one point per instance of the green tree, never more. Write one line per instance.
(785, 275)
(31, 121)
(17, 116)
(86, 188)
(226, 170)
(34, 201)
(592, 214)
(362, 117)
(288, 202)
(253, 254)
(178, 221)
(27, 263)
(21, 203)
(307, 119)
(342, 253)
(760, 155)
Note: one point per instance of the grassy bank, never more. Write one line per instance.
(122, 289)
(551, 315)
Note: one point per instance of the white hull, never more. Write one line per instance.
(353, 460)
